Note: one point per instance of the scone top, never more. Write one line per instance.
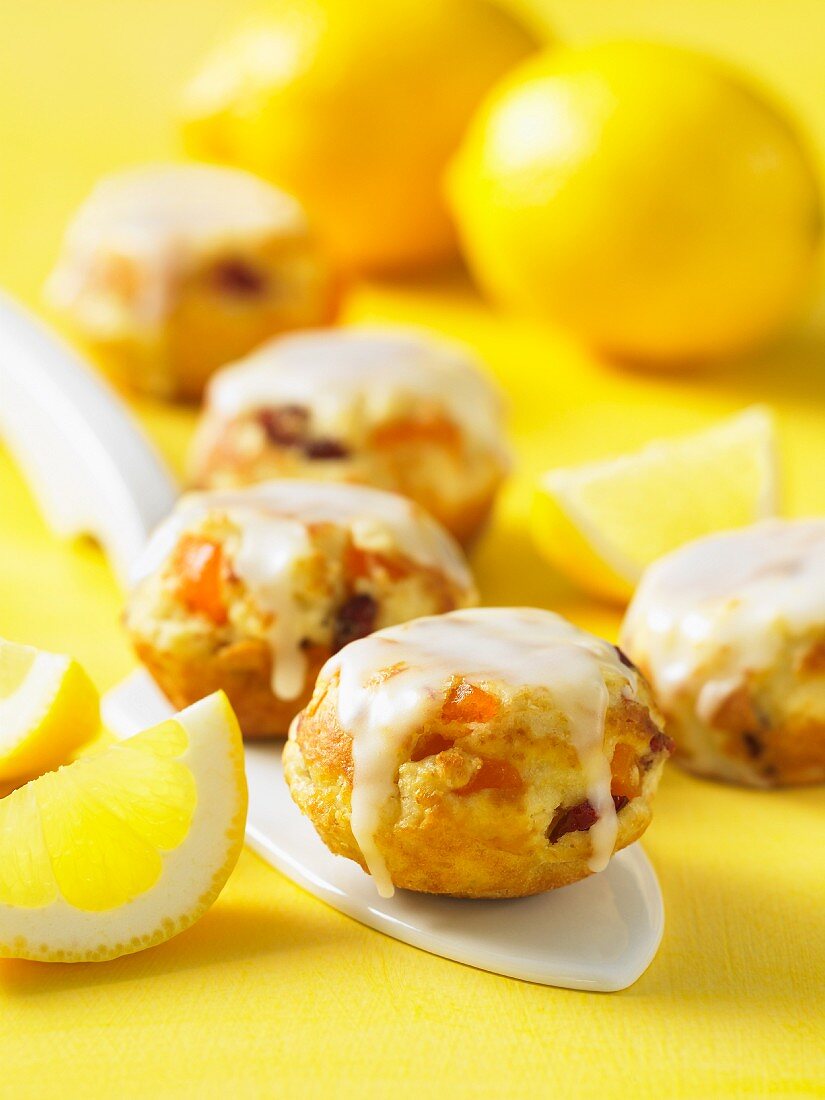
(274, 522)
(392, 682)
(140, 229)
(377, 520)
(706, 614)
(354, 379)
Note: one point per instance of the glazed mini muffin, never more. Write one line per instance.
(397, 409)
(252, 590)
(170, 271)
(490, 753)
(730, 631)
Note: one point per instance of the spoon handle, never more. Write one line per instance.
(89, 465)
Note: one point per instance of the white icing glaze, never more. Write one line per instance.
(159, 219)
(706, 614)
(508, 648)
(272, 519)
(353, 379)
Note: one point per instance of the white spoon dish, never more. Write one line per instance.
(93, 472)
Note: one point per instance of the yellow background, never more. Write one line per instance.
(273, 993)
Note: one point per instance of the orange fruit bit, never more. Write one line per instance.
(468, 703)
(624, 767)
(430, 745)
(199, 565)
(360, 563)
(401, 431)
(494, 775)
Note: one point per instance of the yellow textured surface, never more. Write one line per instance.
(273, 993)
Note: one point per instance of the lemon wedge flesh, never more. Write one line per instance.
(125, 848)
(601, 524)
(48, 709)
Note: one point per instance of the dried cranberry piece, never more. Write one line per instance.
(285, 425)
(325, 448)
(620, 801)
(578, 819)
(623, 657)
(660, 742)
(355, 619)
(754, 744)
(236, 278)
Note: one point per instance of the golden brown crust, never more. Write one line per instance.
(491, 842)
(243, 669)
(207, 329)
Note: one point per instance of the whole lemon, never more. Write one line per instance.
(641, 195)
(356, 109)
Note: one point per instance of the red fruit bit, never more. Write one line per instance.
(237, 279)
(578, 819)
(468, 703)
(754, 745)
(325, 448)
(660, 742)
(431, 744)
(494, 775)
(623, 657)
(199, 567)
(620, 801)
(355, 619)
(285, 426)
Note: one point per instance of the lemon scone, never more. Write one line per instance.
(730, 631)
(169, 271)
(496, 752)
(397, 409)
(252, 590)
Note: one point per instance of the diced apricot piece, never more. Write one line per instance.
(401, 431)
(430, 744)
(494, 775)
(468, 703)
(625, 771)
(360, 563)
(199, 566)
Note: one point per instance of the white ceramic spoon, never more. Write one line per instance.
(93, 472)
(90, 467)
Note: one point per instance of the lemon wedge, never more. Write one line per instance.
(48, 709)
(125, 848)
(601, 524)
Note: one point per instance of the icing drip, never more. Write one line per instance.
(273, 520)
(391, 682)
(353, 379)
(708, 613)
(265, 560)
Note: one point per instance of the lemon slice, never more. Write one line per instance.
(603, 523)
(123, 849)
(48, 709)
